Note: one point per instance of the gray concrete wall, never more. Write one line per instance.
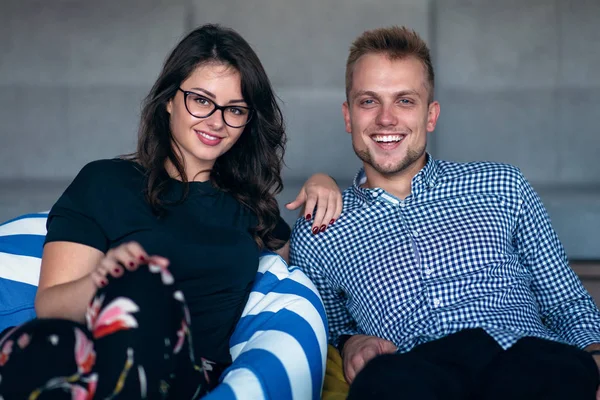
(518, 82)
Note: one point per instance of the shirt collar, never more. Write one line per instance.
(424, 180)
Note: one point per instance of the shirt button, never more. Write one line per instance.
(402, 204)
(431, 184)
(436, 302)
(416, 233)
(428, 271)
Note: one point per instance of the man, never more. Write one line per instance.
(441, 280)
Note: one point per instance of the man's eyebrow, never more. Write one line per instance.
(366, 93)
(408, 92)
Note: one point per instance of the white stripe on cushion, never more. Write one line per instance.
(274, 264)
(25, 226)
(274, 302)
(290, 354)
(301, 278)
(20, 268)
(244, 384)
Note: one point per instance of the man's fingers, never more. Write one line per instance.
(349, 371)
(358, 361)
(388, 347)
(368, 354)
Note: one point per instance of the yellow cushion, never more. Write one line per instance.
(335, 386)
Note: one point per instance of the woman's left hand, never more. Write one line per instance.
(322, 192)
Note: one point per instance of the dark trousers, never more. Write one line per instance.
(471, 365)
(136, 344)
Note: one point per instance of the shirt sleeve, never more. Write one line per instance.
(74, 217)
(565, 306)
(305, 254)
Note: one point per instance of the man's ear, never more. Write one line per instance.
(346, 112)
(433, 115)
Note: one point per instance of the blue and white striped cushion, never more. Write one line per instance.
(21, 241)
(279, 346)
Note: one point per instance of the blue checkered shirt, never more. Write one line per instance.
(471, 246)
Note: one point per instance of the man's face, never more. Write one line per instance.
(389, 115)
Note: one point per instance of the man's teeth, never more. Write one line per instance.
(206, 135)
(388, 138)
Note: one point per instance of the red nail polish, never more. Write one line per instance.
(131, 264)
(315, 230)
(117, 271)
(332, 221)
(323, 227)
(142, 258)
(103, 283)
(308, 217)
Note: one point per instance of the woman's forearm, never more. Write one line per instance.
(66, 300)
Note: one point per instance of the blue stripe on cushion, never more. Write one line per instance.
(290, 323)
(16, 318)
(22, 245)
(269, 283)
(17, 300)
(267, 367)
(36, 215)
(263, 283)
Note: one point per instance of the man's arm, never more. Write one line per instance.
(565, 306)
(356, 349)
(304, 253)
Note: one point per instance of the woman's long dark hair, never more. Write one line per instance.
(250, 170)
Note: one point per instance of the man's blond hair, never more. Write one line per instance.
(397, 42)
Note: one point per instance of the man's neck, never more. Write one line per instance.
(398, 184)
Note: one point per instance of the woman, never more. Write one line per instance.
(190, 212)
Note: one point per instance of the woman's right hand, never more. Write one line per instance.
(127, 255)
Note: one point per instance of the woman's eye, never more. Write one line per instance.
(236, 111)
